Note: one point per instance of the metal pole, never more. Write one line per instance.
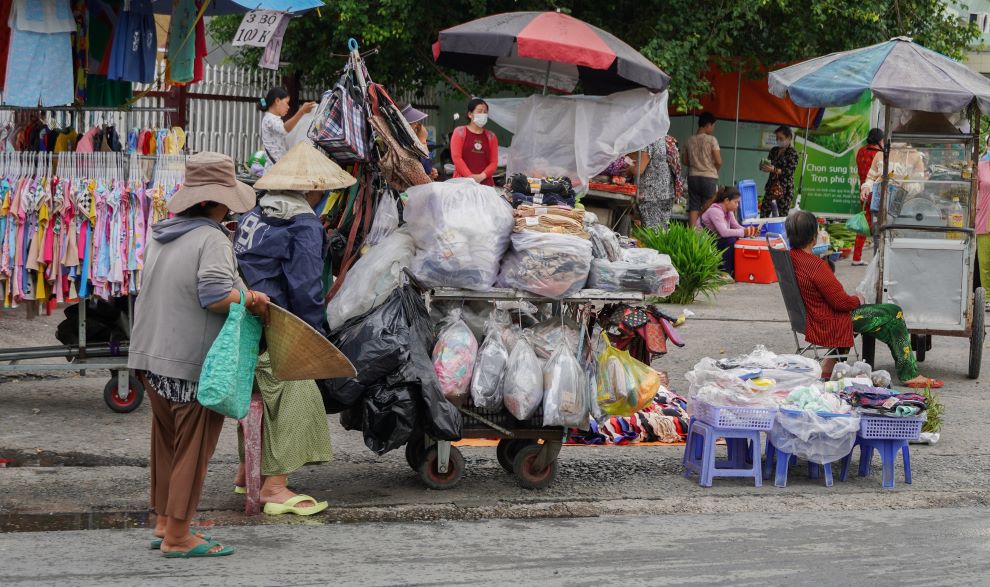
(735, 142)
(882, 219)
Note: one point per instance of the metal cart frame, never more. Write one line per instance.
(527, 449)
(973, 315)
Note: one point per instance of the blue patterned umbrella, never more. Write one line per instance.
(900, 73)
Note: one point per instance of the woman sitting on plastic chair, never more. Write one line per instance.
(833, 315)
(720, 218)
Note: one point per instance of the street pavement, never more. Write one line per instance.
(873, 546)
(83, 466)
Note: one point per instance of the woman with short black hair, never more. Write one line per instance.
(781, 164)
(473, 148)
(833, 315)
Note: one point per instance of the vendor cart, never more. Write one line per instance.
(526, 449)
(926, 220)
(927, 236)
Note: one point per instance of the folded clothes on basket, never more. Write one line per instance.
(521, 198)
(886, 402)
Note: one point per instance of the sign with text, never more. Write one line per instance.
(257, 28)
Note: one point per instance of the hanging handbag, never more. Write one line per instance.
(400, 165)
(339, 126)
(227, 377)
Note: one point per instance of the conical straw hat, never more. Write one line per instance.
(298, 352)
(304, 169)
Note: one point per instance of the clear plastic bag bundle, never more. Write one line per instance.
(461, 230)
(453, 358)
(489, 370)
(546, 264)
(386, 219)
(625, 385)
(548, 335)
(813, 437)
(522, 391)
(565, 391)
(372, 279)
(645, 271)
(605, 243)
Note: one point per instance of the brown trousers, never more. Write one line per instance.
(183, 438)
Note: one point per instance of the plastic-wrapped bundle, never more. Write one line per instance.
(489, 369)
(625, 385)
(453, 357)
(609, 243)
(645, 271)
(372, 278)
(813, 437)
(549, 334)
(549, 265)
(522, 391)
(565, 391)
(386, 220)
(461, 230)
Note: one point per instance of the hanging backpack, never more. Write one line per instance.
(339, 126)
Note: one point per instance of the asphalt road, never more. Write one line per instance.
(876, 547)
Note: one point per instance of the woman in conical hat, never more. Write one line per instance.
(280, 247)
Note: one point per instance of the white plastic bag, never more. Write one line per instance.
(814, 438)
(609, 243)
(546, 264)
(453, 358)
(656, 276)
(565, 391)
(523, 388)
(372, 279)
(549, 334)
(300, 132)
(386, 219)
(868, 287)
(461, 230)
(489, 370)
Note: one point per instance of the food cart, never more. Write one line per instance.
(926, 221)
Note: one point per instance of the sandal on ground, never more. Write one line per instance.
(201, 551)
(928, 382)
(156, 543)
(290, 507)
(240, 490)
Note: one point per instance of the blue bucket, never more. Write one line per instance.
(774, 226)
(748, 208)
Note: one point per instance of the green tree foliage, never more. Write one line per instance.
(680, 36)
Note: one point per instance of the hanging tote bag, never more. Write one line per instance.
(400, 165)
(227, 377)
(339, 125)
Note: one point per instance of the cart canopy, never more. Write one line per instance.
(899, 72)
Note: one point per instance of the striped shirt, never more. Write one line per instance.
(826, 303)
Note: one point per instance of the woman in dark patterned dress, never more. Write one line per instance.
(780, 185)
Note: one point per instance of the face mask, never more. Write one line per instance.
(481, 119)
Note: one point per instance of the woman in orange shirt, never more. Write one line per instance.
(473, 149)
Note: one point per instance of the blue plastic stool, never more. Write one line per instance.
(743, 458)
(778, 462)
(887, 448)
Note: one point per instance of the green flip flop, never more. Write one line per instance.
(156, 543)
(290, 507)
(202, 551)
(240, 489)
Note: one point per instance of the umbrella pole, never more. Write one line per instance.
(735, 142)
(546, 80)
(804, 161)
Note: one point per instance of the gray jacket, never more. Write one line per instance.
(189, 264)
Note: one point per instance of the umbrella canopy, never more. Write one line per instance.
(900, 73)
(547, 49)
(217, 7)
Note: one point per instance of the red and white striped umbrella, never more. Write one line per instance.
(547, 49)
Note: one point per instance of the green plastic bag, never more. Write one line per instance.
(859, 225)
(227, 377)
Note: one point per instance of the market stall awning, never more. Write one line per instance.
(218, 7)
(547, 49)
(755, 103)
(899, 72)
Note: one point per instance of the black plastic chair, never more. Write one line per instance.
(787, 280)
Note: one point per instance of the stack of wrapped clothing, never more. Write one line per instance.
(877, 401)
(541, 191)
(552, 219)
(665, 419)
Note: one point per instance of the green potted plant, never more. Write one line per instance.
(694, 254)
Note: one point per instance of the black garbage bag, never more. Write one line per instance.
(391, 345)
(389, 417)
(106, 321)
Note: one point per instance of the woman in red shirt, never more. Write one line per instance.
(864, 159)
(473, 149)
(833, 315)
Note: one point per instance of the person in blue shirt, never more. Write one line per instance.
(280, 247)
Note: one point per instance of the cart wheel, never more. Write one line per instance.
(507, 451)
(525, 463)
(415, 450)
(920, 344)
(976, 338)
(436, 480)
(127, 404)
